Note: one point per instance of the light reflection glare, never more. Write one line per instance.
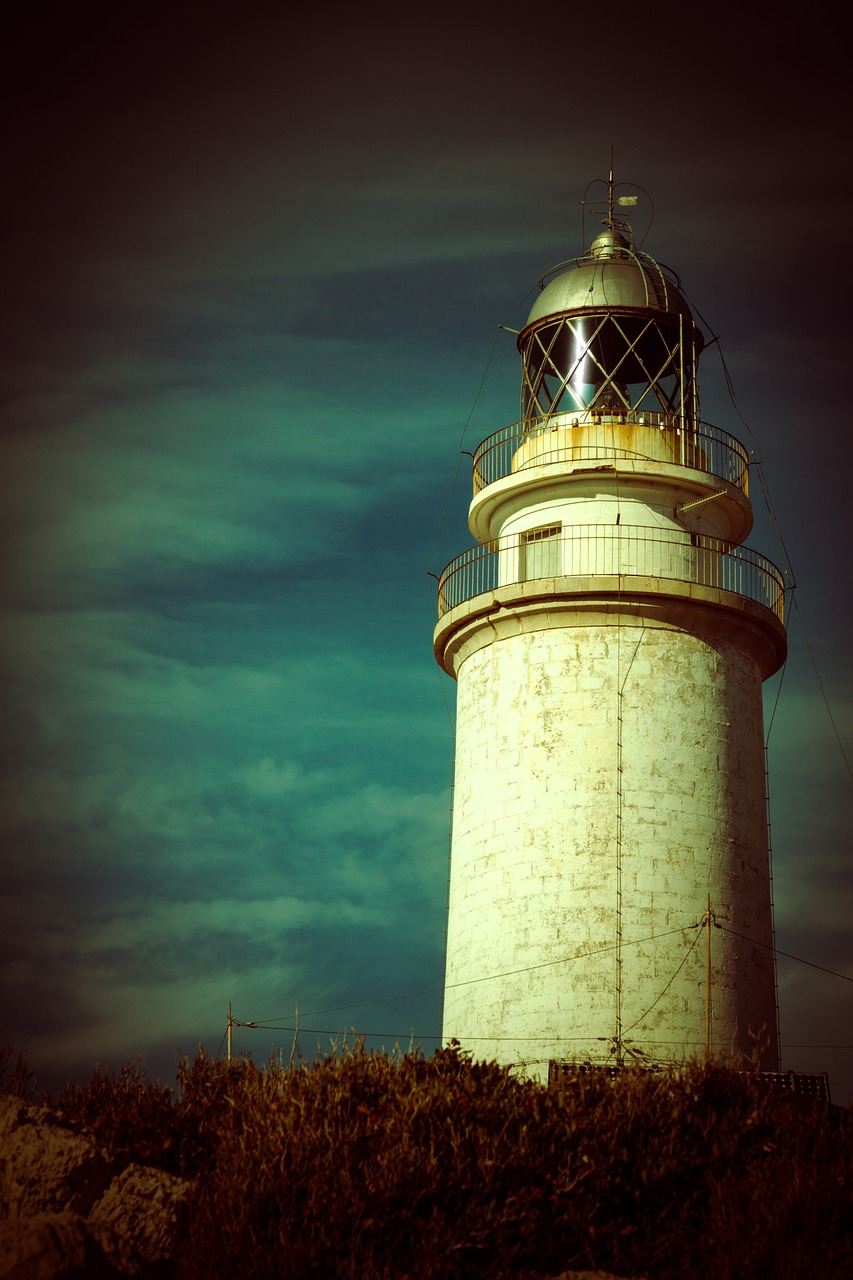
(582, 372)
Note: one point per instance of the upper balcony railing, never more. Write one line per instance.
(610, 436)
(621, 551)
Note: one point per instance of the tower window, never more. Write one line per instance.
(540, 552)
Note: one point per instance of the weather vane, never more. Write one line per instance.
(623, 202)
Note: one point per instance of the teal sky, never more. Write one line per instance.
(255, 271)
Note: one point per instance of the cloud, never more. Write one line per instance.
(289, 859)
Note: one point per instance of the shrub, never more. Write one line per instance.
(131, 1116)
(364, 1165)
(16, 1078)
(368, 1166)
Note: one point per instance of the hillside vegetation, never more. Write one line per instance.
(365, 1165)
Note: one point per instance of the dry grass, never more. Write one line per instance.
(364, 1165)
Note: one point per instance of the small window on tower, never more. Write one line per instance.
(540, 553)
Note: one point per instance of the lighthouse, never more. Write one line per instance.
(609, 632)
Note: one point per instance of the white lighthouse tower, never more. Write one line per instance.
(610, 896)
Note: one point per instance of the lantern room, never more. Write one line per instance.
(610, 334)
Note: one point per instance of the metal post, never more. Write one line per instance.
(682, 415)
(230, 1025)
(708, 982)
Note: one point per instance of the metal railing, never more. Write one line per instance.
(623, 551)
(631, 435)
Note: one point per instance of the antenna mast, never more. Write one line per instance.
(610, 193)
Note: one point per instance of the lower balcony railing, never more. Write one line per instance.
(623, 551)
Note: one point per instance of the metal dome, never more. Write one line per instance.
(612, 274)
(611, 329)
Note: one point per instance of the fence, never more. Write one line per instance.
(611, 550)
(598, 437)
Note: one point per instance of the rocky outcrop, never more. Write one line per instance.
(59, 1246)
(45, 1164)
(145, 1209)
(66, 1210)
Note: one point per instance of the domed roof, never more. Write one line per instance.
(612, 274)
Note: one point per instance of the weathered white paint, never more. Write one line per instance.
(535, 909)
(609, 781)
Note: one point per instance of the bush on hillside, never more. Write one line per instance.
(16, 1078)
(139, 1120)
(364, 1165)
(368, 1166)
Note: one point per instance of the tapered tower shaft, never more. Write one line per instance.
(610, 636)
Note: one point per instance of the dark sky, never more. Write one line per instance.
(255, 269)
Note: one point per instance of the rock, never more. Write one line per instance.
(56, 1246)
(145, 1209)
(45, 1165)
(65, 1211)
